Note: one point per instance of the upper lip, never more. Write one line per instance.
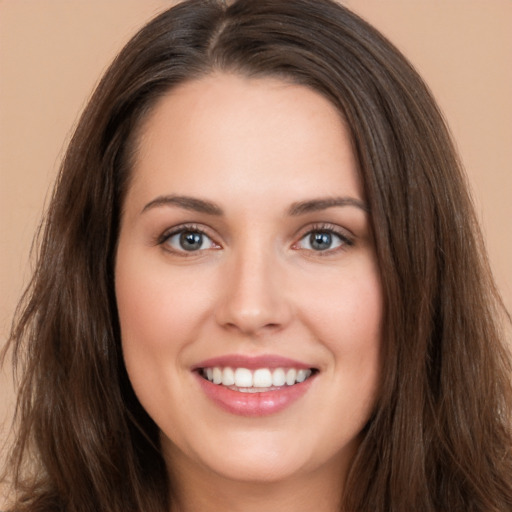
(251, 362)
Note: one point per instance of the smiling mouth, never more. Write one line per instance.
(255, 381)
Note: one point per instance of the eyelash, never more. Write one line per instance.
(345, 239)
(330, 229)
(186, 228)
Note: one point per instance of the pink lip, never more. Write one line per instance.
(253, 404)
(251, 362)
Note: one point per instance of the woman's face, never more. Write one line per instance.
(247, 284)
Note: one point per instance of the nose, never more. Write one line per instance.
(254, 295)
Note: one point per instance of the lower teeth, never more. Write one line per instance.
(253, 390)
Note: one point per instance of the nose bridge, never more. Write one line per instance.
(253, 298)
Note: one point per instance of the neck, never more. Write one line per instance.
(316, 491)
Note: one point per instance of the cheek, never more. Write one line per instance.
(160, 314)
(156, 305)
(348, 322)
(349, 316)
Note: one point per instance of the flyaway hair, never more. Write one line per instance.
(440, 436)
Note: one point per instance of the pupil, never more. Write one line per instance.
(320, 241)
(191, 241)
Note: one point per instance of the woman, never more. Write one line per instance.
(261, 283)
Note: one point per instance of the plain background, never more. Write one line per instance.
(52, 53)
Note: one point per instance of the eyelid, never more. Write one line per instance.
(345, 236)
(175, 230)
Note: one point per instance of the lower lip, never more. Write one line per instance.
(254, 404)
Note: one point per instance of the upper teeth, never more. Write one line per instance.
(260, 378)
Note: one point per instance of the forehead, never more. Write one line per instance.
(235, 132)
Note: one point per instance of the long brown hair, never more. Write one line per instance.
(440, 436)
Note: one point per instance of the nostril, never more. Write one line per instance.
(251, 322)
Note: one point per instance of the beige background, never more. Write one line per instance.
(52, 52)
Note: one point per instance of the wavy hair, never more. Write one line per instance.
(439, 438)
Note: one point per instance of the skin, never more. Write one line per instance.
(254, 148)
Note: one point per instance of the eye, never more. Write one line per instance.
(322, 240)
(188, 240)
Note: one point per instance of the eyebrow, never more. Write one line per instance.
(314, 205)
(296, 209)
(186, 202)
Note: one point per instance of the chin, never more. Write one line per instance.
(260, 469)
(248, 457)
